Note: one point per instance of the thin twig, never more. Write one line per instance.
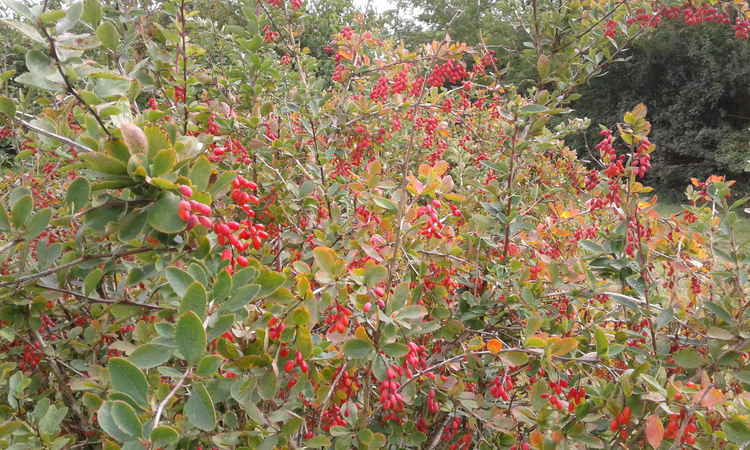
(10, 244)
(686, 420)
(73, 263)
(49, 134)
(106, 301)
(63, 384)
(68, 84)
(330, 392)
(436, 440)
(163, 403)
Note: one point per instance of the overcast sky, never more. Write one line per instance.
(378, 5)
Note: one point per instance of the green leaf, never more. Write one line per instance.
(92, 280)
(132, 225)
(78, 193)
(190, 337)
(385, 204)
(39, 64)
(163, 162)
(7, 428)
(201, 173)
(4, 220)
(533, 109)
(625, 300)
(108, 34)
(267, 386)
(514, 358)
(163, 436)
(395, 349)
(222, 286)
(102, 163)
(374, 274)
(71, 19)
(38, 223)
(126, 419)
(21, 211)
(719, 311)
(269, 281)
(241, 297)
(591, 246)
(92, 12)
(221, 326)
(157, 138)
(300, 316)
(208, 365)
(664, 317)
(242, 277)
(199, 408)
(720, 334)
(147, 356)
(736, 430)
(329, 261)
(602, 344)
(49, 424)
(195, 300)
(178, 280)
(358, 348)
(127, 379)
(688, 359)
(163, 215)
(7, 107)
(412, 312)
(318, 442)
(107, 423)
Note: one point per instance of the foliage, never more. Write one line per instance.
(205, 243)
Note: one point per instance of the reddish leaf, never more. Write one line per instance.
(654, 431)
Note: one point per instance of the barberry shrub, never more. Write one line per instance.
(213, 247)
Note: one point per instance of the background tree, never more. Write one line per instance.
(695, 81)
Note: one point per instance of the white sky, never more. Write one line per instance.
(377, 5)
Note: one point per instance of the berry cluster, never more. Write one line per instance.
(673, 428)
(620, 423)
(390, 398)
(275, 328)
(380, 90)
(501, 386)
(415, 359)
(451, 71)
(298, 361)
(338, 321)
(432, 405)
(193, 212)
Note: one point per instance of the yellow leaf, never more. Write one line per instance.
(361, 333)
(494, 346)
(559, 347)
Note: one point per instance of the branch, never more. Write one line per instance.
(330, 392)
(106, 301)
(64, 387)
(436, 440)
(75, 262)
(688, 414)
(68, 85)
(10, 244)
(49, 134)
(160, 408)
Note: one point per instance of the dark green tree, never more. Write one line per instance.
(696, 84)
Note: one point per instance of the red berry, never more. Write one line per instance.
(186, 191)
